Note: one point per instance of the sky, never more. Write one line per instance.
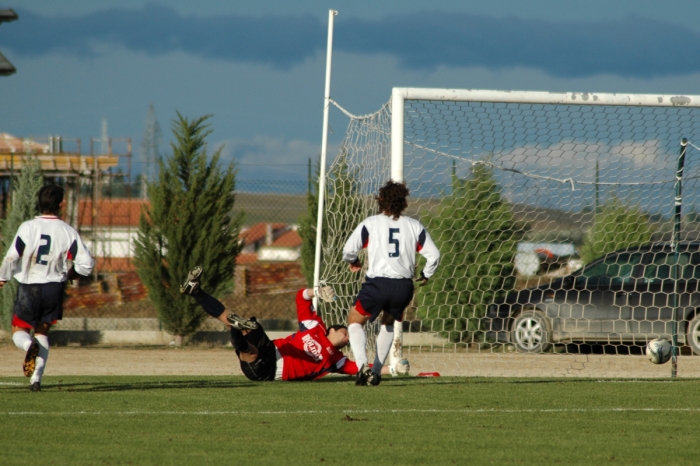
(259, 67)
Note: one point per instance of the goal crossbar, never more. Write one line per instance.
(401, 94)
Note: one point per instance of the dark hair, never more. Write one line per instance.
(335, 327)
(50, 198)
(392, 199)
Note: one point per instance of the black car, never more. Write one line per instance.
(624, 297)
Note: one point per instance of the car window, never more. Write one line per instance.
(616, 269)
(659, 266)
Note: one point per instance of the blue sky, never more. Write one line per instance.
(258, 67)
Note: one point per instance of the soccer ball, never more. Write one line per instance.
(402, 367)
(659, 351)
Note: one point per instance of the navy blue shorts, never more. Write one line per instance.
(391, 295)
(39, 302)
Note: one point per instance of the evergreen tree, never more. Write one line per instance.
(307, 228)
(187, 223)
(477, 238)
(23, 208)
(616, 226)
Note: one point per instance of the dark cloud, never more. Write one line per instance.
(634, 47)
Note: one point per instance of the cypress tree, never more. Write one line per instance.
(188, 223)
(23, 208)
(477, 237)
(307, 228)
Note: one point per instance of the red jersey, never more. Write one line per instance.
(307, 354)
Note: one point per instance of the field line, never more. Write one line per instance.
(349, 411)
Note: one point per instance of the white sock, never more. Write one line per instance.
(358, 343)
(384, 342)
(40, 358)
(22, 340)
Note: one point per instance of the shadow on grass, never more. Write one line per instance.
(142, 386)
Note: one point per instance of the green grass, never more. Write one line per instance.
(229, 420)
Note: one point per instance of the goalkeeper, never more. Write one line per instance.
(391, 240)
(309, 354)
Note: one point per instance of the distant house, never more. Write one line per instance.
(10, 144)
(111, 231)
(270, 242)
(269, 262)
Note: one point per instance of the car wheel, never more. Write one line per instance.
(692, 335)
(530, 333)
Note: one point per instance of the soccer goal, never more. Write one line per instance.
(554, 214)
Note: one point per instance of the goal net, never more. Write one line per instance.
(553, 212)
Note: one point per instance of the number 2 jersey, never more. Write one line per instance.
(392, 246)
(43, 250)
(307, 354)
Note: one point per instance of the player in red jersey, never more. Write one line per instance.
(43, 255)
(309, 354)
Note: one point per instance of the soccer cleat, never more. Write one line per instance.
(363, 375)
(191, 285)
(374, 379)
(241, 323)
(30, 359)
(35, 387)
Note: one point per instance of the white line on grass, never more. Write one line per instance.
(351, 411)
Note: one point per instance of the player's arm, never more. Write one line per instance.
(14, 254)
(355, 243)
(306, 316)
(82, 261)
(426, 248)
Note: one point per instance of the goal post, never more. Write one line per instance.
(519, 189)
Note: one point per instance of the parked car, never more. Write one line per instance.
(624, 297)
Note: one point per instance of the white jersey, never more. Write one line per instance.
(392, 246)
(43, 251)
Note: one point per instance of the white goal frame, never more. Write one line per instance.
(401, 94)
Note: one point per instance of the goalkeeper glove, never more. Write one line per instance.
(326, 293)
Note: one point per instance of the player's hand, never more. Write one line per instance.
(422, 280)
(356, 266)
(326, 293)
(2, 284)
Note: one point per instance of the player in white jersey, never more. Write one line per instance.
(44, 254)
(392, 241)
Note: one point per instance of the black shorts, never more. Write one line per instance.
(265, 366)
(40, 302)
(391, 295)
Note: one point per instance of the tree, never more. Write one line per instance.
(307, 228)
(615, 226)
(23, 208)
(477, 236)
(188, 222)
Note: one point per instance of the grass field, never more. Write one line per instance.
(230, 420)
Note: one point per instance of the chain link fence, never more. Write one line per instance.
(267, 274)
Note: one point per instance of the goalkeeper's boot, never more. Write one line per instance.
(241, 323)
(363, 375)
(374, 378)
(30, 359)
(191, 285)
(35, 387)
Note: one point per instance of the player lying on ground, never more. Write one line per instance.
(44, 254)
(392, 241)
(309, 354)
